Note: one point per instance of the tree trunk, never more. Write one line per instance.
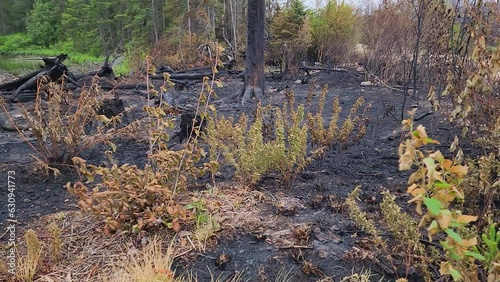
(233, 24)
(254, 65)
(155, 20)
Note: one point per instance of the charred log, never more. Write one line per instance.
(184, 76)
(54, 73)
(54, 69)
(16, 83)
(308, 69)
(111, 107)
(104, 71)
(190, 123)
(52, 61)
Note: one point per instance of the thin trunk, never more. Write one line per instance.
(155, 22)
(405, 90)
(233, 22)
(4, 26)
(420, 15)
(189, 16)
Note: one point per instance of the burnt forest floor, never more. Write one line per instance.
(258, 238)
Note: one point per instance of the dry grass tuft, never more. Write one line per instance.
(153, 265)
(27, 265)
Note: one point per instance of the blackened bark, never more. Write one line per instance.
(254, 65)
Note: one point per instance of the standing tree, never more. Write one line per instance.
(290, 33)
(43, 23)
(254, 65)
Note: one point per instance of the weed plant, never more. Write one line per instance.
(129, 198)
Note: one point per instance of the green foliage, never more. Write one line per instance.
(28, 264)
(334, 30)
(260, 147)
(277, 139)
(20, 44)
(42, 23)
(55, 242)
(406, 233)
(332, 135)
(360, 217)
(12, 15)
(490, 247)
(12, 43)
(290, 36)
(436, 184)
(241, 146)
(197, 207)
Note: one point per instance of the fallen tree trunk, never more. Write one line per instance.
(307, 69)
(183, 76)
(23, 96)
(55, 72)
(54, 69)
(16, 83)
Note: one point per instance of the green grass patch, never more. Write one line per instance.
(20, 45)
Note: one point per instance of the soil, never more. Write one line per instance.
(265, 238)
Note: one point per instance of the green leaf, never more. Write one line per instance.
(454, 256)
(453, 235)
(429, 140)
(430, 163)
(455, 274)
(441, 184)
(475, 255)
(434, 205)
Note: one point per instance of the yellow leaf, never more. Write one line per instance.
(411, 188)
(417, 199)
(176, 226)
(412, 112)
(401, 149)
(417, 143)
(437, 156)
(421, 155)
(420, 131)
(447, 164)
(444, 220)
(433, 228)
(419, 207)
(454, 145)
(78, 161)
(414, 177)
(444, 196)
(459, 170)
(405, 161)
(417, 191)
(466, 218)
(458, 193)
(468, 242)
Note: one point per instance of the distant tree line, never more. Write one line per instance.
(104, 26)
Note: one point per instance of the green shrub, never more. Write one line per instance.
(12, 43)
